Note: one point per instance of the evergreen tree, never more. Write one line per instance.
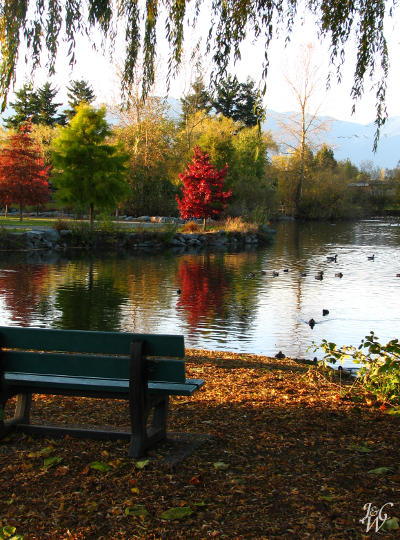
(198, 100)
(239, 101)
(37, 107)
(249, 106)
(91, 172)
(25, 108)
(225, 101)
(46, 107)
(78, 91)
(325, 158)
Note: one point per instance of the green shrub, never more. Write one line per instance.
(380, 365)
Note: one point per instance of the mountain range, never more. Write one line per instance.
(351, 140)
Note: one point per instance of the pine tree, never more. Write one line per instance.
(78, 91)
(23, 174)
(47, 109)
(198, 99)
(36, 107)
(249, 106)
(25, 108)
(203, 194)
(226, 97)
(240, 101)
(91, 172)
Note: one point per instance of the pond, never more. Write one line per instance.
(224, 301)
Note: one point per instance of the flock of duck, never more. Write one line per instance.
(319, 276)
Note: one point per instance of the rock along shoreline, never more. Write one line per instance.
(48, 239)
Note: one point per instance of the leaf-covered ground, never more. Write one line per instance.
(289, 458)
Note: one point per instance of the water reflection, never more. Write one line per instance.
(90, 300)
(20, 289)
(227, 301)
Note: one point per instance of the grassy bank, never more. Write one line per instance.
(291, 456)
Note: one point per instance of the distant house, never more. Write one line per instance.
(358, 184)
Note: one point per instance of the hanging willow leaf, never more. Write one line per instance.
(359, 23)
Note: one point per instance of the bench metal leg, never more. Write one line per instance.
(140, 405)
(143, 437)
(21, 414)
(160, 416)
(23, 408)
(2, 425)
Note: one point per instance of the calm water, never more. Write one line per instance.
(224, 301)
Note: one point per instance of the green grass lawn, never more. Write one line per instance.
(12, 221)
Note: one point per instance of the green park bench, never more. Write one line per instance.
(142, 368)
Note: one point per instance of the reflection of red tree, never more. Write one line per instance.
(20, 288)
(204, 290)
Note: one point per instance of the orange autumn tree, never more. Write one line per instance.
(23, 173)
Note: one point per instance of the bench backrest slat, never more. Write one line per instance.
(85, 341)
(62, 352)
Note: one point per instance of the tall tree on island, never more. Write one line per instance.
(89, 171)
(23, 174)
(203, 196)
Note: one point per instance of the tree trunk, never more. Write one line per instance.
(20, 212)
(5, 210)
(302, 165)
(91, 216)
(204, 224)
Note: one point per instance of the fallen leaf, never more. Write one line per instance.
(195, 480)
(100, 466)
(177, 513)
(220, 465)
(142, 463)
(380, 470)
(391, 524)
(139, 510)
(51, 461)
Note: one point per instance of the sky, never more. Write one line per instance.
(102, 73)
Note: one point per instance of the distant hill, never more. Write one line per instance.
(354, 141)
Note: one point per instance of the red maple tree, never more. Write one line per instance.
(202, 193)
(23, 173)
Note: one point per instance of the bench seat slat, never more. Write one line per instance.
(89, 365)
(96, 384)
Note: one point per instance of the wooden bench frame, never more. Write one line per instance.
(145, 392)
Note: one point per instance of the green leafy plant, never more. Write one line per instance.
(380, 365)
(8, 532)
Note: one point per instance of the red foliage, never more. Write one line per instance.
(203, 194)
(204, 290)
(23, 174)
(21, 288)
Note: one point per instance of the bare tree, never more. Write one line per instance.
(302, 128)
